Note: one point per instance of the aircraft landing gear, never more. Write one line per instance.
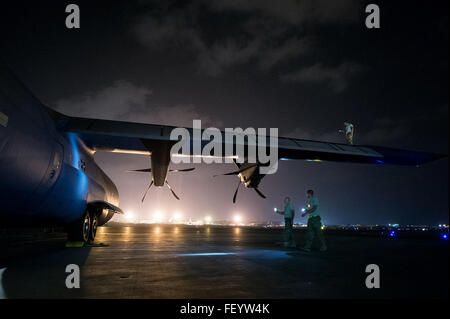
(93, 228)
(80, 230)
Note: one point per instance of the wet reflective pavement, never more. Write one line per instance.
(170, 261)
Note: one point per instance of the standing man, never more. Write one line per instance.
(289, 214)
(314, 222)
(349, 131)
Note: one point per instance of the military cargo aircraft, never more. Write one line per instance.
(48, 172)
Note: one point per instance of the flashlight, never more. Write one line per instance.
(303, 210)
(275, 209)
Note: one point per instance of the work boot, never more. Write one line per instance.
(305, 249)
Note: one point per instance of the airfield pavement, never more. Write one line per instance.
(178, 261)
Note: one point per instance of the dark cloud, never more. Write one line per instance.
(338, 77)
(125, 101)
(292, 48)
(385, 131)
(267, 33)
(295, 12)
(121, 100)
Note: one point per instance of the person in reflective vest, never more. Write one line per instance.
(314, 229)
(289, 214)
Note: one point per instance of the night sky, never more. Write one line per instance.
(302, 66)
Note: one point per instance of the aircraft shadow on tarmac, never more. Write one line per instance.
(41, 273)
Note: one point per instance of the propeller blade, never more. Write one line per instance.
(182, 170)
(172, 191)
(147, 191)
(146, 170)
(259, 193)
(238, 171)
(235, 193)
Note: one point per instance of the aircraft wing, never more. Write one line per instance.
(128, 137)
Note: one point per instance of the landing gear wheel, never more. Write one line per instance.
(93, 228)
(79, 230)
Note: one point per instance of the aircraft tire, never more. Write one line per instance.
(93, 227)
(79, 230)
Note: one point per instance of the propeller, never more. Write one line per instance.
(147, 191)
(238, 171)
(235, 193)
(172, 191)
(144, 170)
(148, 170)
(182, 170)
(259, 193)
(242, 169)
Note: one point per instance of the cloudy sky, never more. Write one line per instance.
(302, 66)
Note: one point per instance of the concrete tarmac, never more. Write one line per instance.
(170, 261)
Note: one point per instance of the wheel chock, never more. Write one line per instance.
(74, 244)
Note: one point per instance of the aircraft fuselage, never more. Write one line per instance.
(45, 174)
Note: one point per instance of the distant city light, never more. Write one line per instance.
(177, 217)
(237, 218)
(158, 217)
(129, 216)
